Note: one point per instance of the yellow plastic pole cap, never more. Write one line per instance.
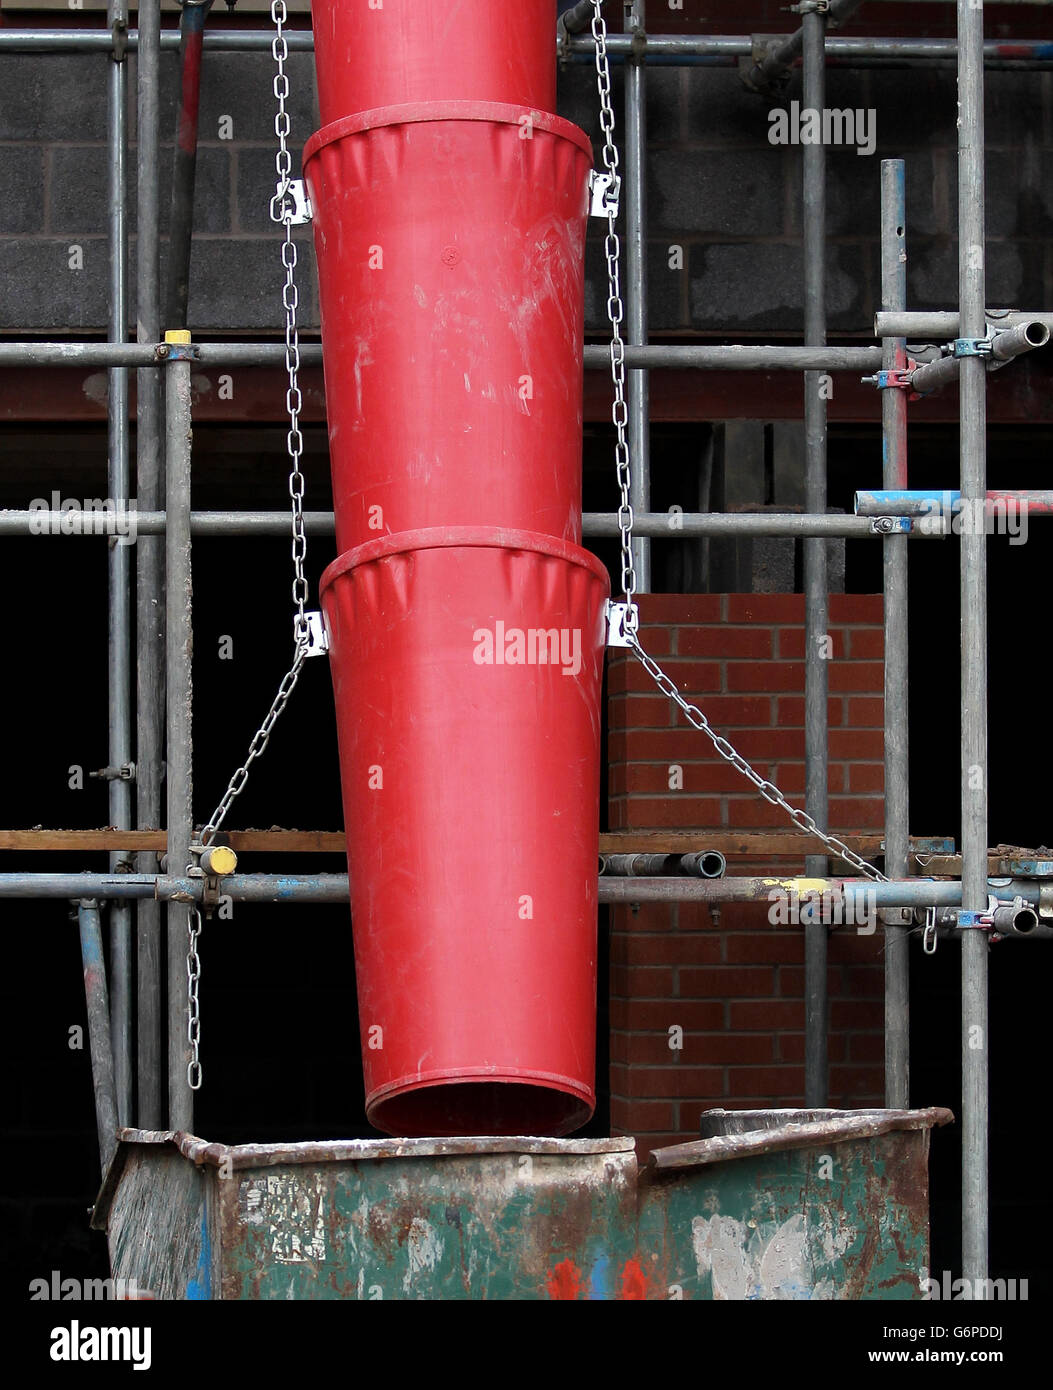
(177, 335)
(219, 860)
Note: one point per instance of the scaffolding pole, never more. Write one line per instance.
(119, 565)
(973, 448)
(179, 693)
(837, 893)
(735, 357)
(867, 525)
(680, 49)
(636, 297)
(93, 962)
(816, 601)
(149, 577)
(894, 584)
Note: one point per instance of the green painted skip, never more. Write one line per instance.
(837, 1220)
(845, 1222)
(499, 1226)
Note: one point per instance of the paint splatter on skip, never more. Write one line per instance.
(634, 1281)
(565, 1281)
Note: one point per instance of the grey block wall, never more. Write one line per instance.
(724, 252)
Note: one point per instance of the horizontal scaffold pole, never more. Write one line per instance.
(671, 525)
(665, 48)
(747, 357)
(334, 888)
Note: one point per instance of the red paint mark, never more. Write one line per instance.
(565, 1281)
(634, 1281)
(190, 89)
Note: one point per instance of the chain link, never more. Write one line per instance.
(193, 1003)
(620, 417)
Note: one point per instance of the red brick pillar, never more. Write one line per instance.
(707, 1007)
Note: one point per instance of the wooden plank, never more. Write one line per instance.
(758, 845)
(242, 841)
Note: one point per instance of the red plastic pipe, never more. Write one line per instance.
(467, 627)
(370, 54)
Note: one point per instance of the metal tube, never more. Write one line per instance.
(641, 865)
(941, 324)
(816, 1070)
(894, 584)
(149, 575)
(973, 446)
(657, 525)
(861, 51)
(333, 888)
(709, 863)
(1020, 921)
(736, 357)
(1024, 337)
(933, 376)
(1006, 344)
(576, 20)
(95, 996)
(119, 566)
(636, 289)
(191, 35)
(179, 706)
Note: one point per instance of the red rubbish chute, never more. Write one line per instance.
(467, 626)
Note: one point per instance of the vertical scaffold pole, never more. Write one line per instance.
(636, 289)
(815, 557)
(119, 567)
(973, 541)
(178, 655)
(93, 962)
(149, 573)
(894, 574)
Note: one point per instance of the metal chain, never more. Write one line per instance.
(768, 790)
(282, 209)
(612, 251)
(193, 1004)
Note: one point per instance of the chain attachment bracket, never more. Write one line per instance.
(604, 194)
(622, 620)
(291, 202)
(317, 639)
